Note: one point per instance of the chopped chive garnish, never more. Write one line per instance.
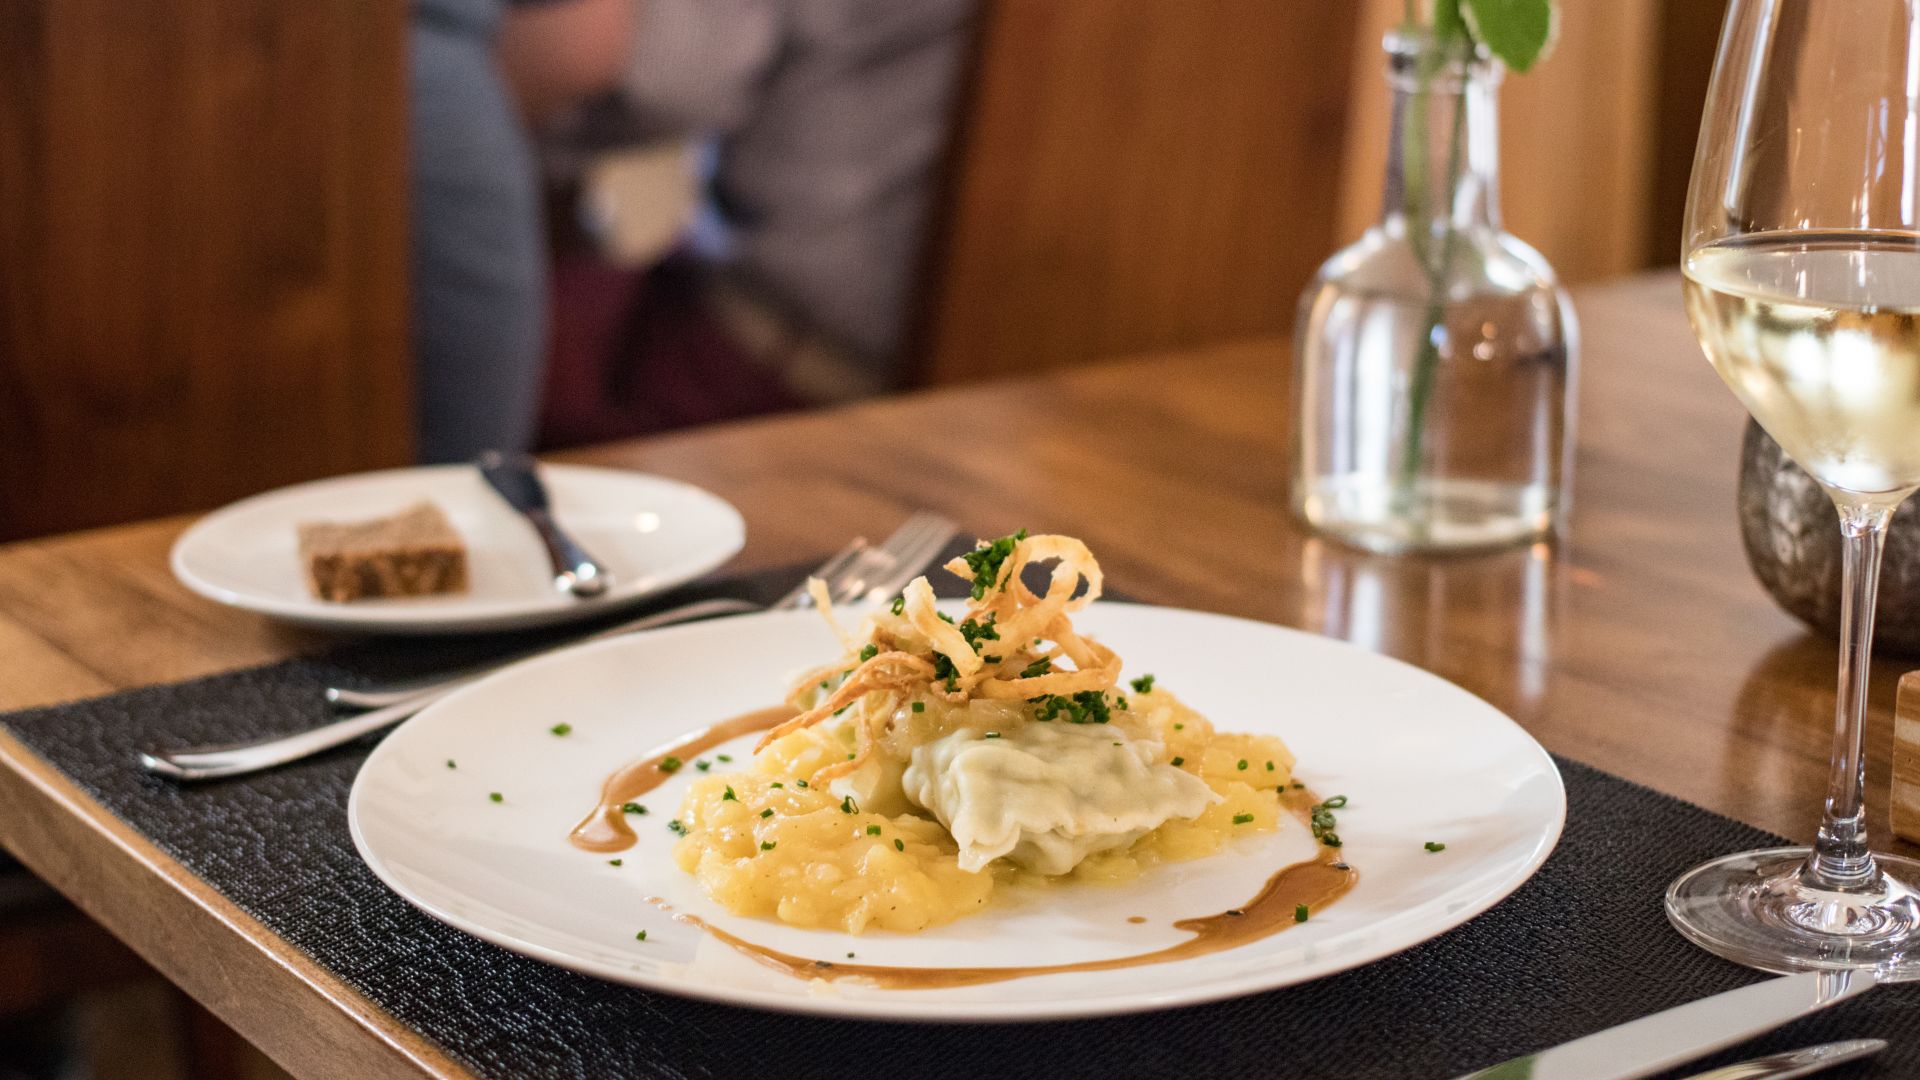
(847, 807)
(451, 765)
(991, 735)
(1143, 684)
(1432, 846)
(919, 706)
(777, 784)
(1242, 766)
(1037, 668)
(1300, 913)
(869, 653)
(724, 757)
(1179, 727)
(641, 936)
(899, 605)
(768, 812)
(676, 828)
(561, 729)
(1269, 766)
(987, 560)
(1242, 819)
(769, 845)
(1320, 818)
(669, 763)
(849, 757)
(703, 765)
(495, 796)
(729, 796)
(849, 956)
(632, 808)
(613, 862)
(1179, 761)
(899, 845)
(799, 783)
(873, 830)
(1297, 785)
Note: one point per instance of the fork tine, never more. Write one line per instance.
(912, 555)
(894, 561)
(833, 569)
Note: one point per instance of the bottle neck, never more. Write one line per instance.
(1443, 154)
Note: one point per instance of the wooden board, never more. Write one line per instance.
(202, 252)
(1905, 798)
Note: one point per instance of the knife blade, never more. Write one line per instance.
(1802, 1062)
(516, 479)
(1681, 1034)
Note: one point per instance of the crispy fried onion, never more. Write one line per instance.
(887, 671)
(911, 639)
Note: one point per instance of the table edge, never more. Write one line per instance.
(329, 1029)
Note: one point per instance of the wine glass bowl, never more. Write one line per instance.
(1802, 269)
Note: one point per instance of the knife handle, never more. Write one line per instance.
(574, 570)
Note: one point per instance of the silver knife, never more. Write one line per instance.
(1646, 1046)
(1802, 1062)
(516, 478)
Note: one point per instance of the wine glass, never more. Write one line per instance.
(1802, 263)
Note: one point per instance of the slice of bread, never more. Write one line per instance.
(415, 552)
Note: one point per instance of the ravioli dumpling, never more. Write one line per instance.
(1047, 795)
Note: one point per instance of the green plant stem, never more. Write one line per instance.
(1439, 271)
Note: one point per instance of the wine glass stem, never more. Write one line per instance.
(1840, 859)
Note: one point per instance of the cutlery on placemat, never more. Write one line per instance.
(516, 479)
(857, 572)
(1685, 1032)
(1802, 1062)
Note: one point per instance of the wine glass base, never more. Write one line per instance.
(1754, 908)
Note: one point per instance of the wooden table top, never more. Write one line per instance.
(1640, 644)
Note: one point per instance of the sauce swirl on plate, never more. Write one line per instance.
(1304, 887)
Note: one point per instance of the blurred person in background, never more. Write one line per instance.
(821, 127)
(479, 258)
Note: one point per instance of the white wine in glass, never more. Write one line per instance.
(1802, 264)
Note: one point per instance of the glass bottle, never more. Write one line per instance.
(1435, 357)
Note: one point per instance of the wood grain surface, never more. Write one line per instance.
(203, 252)
(1639, 644)
(1131, 175)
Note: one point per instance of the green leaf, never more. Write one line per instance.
(1516, 31)
(1447, 23)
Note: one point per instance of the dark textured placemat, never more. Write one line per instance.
(1582, 946)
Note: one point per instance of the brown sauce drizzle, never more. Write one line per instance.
(1314, 883)
(605, 828)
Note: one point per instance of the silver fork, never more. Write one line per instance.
(856, 571)
(859, 572)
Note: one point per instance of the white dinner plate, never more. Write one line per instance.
(1419, 759)
(651, 532)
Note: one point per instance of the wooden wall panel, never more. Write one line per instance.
(202, 252)
(1689, 36)
(1133, 175)
(1576, 135)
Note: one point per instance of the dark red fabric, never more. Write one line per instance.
(639, 351)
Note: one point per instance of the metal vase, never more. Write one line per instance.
(1792, 536)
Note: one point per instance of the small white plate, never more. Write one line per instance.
(1419, 758)
(651, 532)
